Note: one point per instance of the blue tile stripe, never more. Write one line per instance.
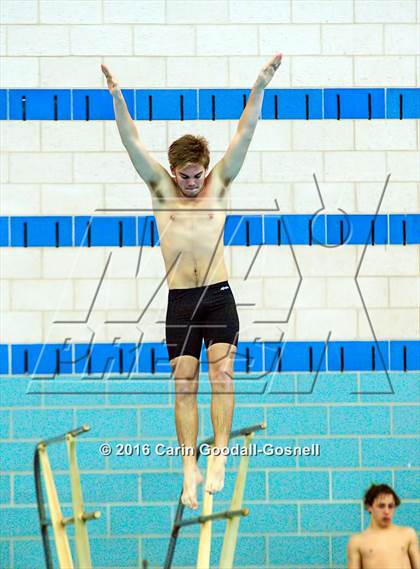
(210, 104)
(252, 357)
(354, 104)
(129, 231)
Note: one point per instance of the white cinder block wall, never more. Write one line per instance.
(70, 168)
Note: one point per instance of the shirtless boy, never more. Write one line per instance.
(190, 212)
(383, 545)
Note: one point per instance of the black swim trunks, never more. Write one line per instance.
(203, 313)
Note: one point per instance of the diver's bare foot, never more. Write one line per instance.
(215, 473)
(192, 477)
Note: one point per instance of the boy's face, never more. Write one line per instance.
(189, 179)
(382, 510)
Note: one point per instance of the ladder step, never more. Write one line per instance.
(238, 433)
(86, 516)
(228, 514)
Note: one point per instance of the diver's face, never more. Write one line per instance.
(190, 179)
(382, 510)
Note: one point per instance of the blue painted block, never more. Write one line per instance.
(360, 420)
(351, 485)
(42, 358)
(216, 104)
(277, 386)
(292, 104)
(249, 357)
(166, 104)
(404, 229)
(297, 421)
(3, 104)
(243, 230)
(19, 522)
(327, 387)
(140, 519)
(30, 553)
(97, 104)
(88, 455)
(283, 517)
(41, 423)
(387, 452)
(357, 229)
(403, 103)
(406, 420)
(4, 359)
(105, 358)
(294, 356)
(4, 231)
(39, 104)
(158, 422)
(109, 422)
(105, 231)
(111, 487)
(5, 549)
(5, 493)
(249, 415)
(16, 456)
(154, 358)
(69, 391)
(250, 551)
(255, 489)
(166, 485)
(297, 550)
(339, 550)
(330, 517)
(147, 231)
(153, 390)
(407, 484)
(45, 231)
(294, 229)
(390, 388)
(354, 103)
(298, 485)
(333, 453)
(356, 356)
(5, 424)
(114, 552)
(13, 392)
(408, 515)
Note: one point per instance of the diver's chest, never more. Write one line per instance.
(193, 221)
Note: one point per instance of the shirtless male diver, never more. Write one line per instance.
(190, 211)
(383, 545)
